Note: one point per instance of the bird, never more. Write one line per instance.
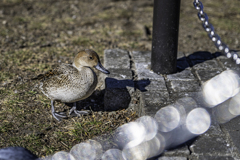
(69, 83)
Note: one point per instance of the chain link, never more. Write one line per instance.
(208, 27)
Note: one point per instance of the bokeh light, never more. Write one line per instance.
(227, 110)
(113, 154)
(130, 134)
(138, 152)
(181, 121)
(221, 87)
(198, 121)
(156, 145)
(62, 156)
(150, 125)
(234, 105)
(168, 118)
(87, 151)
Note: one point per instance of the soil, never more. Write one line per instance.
(37, 35)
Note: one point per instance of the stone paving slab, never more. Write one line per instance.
(131, 75)
(150, 102)
(121, 56)
(212, 158)
(184, 75)
(211, 145)
(172, 158)
(228, 64)
(118, 84)
(157, 85)
(233, 128)
(184, 86)
(205, 75)
(207, 65)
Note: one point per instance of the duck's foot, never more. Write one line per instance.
(78, 113)
(57, 116)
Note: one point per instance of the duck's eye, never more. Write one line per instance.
(91, 58)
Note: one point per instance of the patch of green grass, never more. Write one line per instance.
(36, 25)
(49, 149)
(6, 75)
(113, 14)
(106, 15)
(17, 57)
(3, 32)
(227, 24)
(88, 43)
(82, 41)
(34, 140)
(31, 92)
(11, 1)
(130, 33)
(124, 13)
(31, 142)
(89, 129)
(20, 19)
(6, 126)
(148, 9)
(43, 67)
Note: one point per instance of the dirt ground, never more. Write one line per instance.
(37, 35)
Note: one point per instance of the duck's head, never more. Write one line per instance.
(89, 58)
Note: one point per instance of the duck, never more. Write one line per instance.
(69, 83)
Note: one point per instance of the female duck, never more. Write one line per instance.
(71, 83)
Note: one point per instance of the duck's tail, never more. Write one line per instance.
(39, 77)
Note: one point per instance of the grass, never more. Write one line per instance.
(29, 127)
(11, 1)
(25, 112)
(111, 14)
(83, 41)
(3, 32)
(20, 19)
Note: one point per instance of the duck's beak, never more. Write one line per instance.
(101, 68)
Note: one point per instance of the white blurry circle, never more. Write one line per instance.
(113, 154)
(234, 105)
(62, 156)
(150, 125)
(138, 152)
(168, 118)
(96, 146)
(156, 145)
(83, 151)
(198, 121)
(130, 134)
(221, 87)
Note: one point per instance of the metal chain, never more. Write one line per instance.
(212, 34)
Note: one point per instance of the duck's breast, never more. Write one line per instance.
(85, 83)
(70, 86)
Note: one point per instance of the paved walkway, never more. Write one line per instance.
(132, 84)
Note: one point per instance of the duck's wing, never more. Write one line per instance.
(61, 71)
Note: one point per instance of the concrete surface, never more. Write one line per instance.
(132, 84)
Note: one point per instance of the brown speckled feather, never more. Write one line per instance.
(62, 69)
(46, 75)
(68, 84)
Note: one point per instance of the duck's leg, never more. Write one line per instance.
(78, 113)
(56, 115)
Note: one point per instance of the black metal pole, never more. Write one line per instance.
(165, 36)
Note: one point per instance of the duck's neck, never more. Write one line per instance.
(74, 65)
(78, 67)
